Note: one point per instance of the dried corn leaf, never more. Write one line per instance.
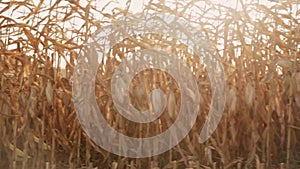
(250, 94)
(172, 105)
(49, 92)
(232, 99)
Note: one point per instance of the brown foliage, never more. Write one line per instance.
(258, 45)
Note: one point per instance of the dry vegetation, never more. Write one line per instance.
(258, 45)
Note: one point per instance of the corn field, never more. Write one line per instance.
(257, 43)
